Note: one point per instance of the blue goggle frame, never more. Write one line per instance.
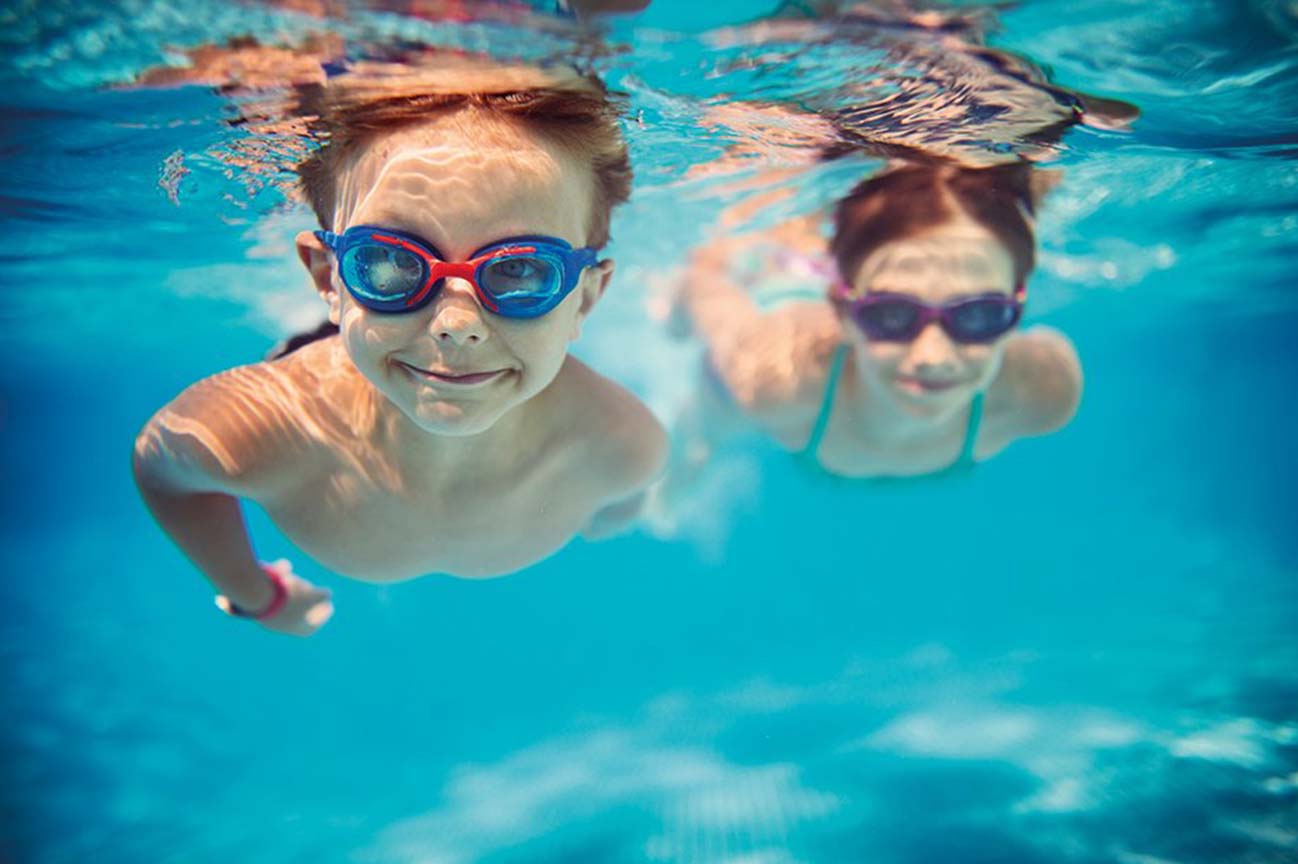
(483, 270)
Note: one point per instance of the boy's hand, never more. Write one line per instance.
(306, 608)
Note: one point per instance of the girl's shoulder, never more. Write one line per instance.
(1039, 383)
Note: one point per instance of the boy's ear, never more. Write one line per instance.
(593, 283)
(315, 258)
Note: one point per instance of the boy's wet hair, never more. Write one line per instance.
(906, 201)
(569, 109)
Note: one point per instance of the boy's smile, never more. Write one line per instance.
(454, 378)
(463, 181)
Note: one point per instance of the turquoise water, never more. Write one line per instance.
(1085, 651)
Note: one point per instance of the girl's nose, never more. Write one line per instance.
(931, 350)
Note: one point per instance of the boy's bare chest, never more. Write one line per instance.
(389, 529)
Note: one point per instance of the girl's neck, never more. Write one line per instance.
(881, 421)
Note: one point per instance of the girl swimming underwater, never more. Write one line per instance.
(912, 362)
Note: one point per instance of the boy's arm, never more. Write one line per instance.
(216, 442)
(615, 518)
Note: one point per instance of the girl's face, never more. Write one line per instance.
(933, 375)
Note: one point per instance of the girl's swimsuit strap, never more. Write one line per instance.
(826, 403)
(964, 460)
(971, 432)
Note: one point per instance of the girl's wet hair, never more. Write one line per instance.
(569, 109)
(910, 200)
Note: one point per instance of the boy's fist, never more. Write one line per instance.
(305, 608)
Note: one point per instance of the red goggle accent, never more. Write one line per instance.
(458, 269)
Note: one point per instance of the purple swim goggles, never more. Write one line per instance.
(887, 317)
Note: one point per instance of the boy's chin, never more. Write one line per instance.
(455, 420)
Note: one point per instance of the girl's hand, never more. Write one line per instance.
(305, 610)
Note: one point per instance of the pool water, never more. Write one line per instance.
(1084, 651)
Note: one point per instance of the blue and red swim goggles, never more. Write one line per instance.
(391, 271)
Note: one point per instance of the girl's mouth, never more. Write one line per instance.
(915, 384)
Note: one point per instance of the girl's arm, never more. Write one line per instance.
(764, 357)
(718, 308)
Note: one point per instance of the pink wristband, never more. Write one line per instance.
(277, 600)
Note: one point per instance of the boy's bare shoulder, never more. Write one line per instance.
(625, 445)
(249, 428)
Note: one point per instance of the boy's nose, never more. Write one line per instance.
(458, 318)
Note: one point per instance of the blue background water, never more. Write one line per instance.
(1086, 651)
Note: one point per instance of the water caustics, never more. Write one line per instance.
(876, 411)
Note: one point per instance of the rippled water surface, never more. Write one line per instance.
(1085, 651)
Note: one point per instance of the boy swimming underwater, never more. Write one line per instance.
(445, 428)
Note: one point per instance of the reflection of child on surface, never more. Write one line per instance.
(922, 84)
(913, 366)
(446, 428)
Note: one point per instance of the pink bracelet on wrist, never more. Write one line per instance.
(277, 600)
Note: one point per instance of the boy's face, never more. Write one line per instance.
(460, 182)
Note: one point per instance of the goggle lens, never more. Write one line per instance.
(521, 282)
(890, 320)
(980, 320)
(383, 273)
